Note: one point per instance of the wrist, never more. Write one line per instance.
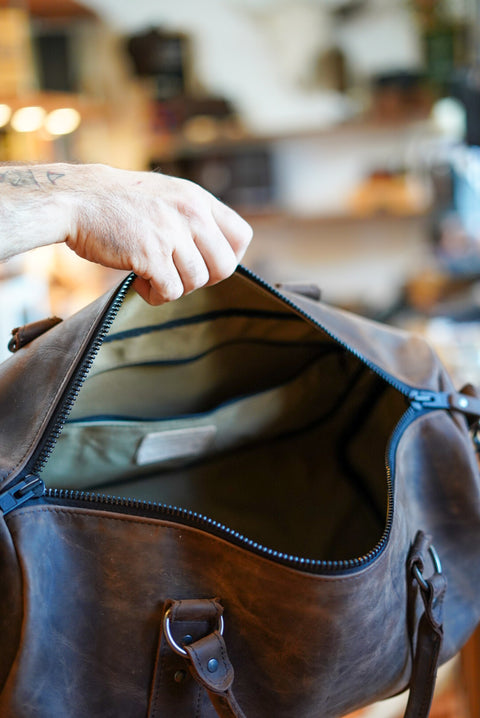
(35, 208)
(85, 201)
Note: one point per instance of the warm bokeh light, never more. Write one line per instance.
(62, 121)
(28, 119)
(5, 114)
(200, 129)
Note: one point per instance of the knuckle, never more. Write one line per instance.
(192, 206)
(224, 267)
(197, 276)
(247, 234)
(170, 288)
(173, 292)
(243, 237)
(201, 275)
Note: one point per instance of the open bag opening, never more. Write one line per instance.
(229, 403)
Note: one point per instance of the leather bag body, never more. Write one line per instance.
(294, 478)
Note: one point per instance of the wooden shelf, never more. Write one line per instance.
(270, 216)
(172, 146)
(53, 8)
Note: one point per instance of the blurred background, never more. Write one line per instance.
(347, 132)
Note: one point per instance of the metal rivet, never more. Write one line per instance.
(179, 676)
(463, 403)
(212, 665)
(187, 640)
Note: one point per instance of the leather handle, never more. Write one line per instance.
(207, 656)
(430, 628)
(29, 332)
(211, 667)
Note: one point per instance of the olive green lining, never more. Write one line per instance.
(296, 458)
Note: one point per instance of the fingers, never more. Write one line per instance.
(194, 263)
(220, 234)
(161, 283)
(190, 265)
(174, 235)
(235, 229)
(217, 253)
(220, 237)
(146, 291)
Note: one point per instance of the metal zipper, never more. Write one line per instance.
(79, 377)
(32, 486)
(405, 389)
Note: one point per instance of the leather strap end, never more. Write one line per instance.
(28, 332)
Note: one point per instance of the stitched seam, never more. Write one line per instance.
(202, 671)
(198, 707)
(140, 520)
(213, 685)
(222, 652)
(159, 675)
(88, 513)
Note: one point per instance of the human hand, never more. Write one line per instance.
(173, 234)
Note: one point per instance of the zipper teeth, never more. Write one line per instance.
(194, 518)
(215, 527)
(349, 564)
(81, 375)
(400, 386)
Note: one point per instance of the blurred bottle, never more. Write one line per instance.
(445, 42)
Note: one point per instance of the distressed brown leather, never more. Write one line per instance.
(84, 590)
(33, 380)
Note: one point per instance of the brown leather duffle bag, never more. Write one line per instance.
(300, 533)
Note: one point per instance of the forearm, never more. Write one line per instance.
(37, 205)
(173, 234)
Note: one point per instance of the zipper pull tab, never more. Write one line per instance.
(423, 399)
(456, 401)
(31, 486)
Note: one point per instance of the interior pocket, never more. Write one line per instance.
(199, 383)
(95, 450)
(307, 490)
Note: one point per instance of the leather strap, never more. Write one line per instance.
(207, 656)
(430, 629)
(466, 401)
(211, 667)
(29, 332)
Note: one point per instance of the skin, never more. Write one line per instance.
(173, 234)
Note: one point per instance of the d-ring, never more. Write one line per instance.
(436, 564)
(172, 642)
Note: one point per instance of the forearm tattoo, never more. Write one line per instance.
(26, 178)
